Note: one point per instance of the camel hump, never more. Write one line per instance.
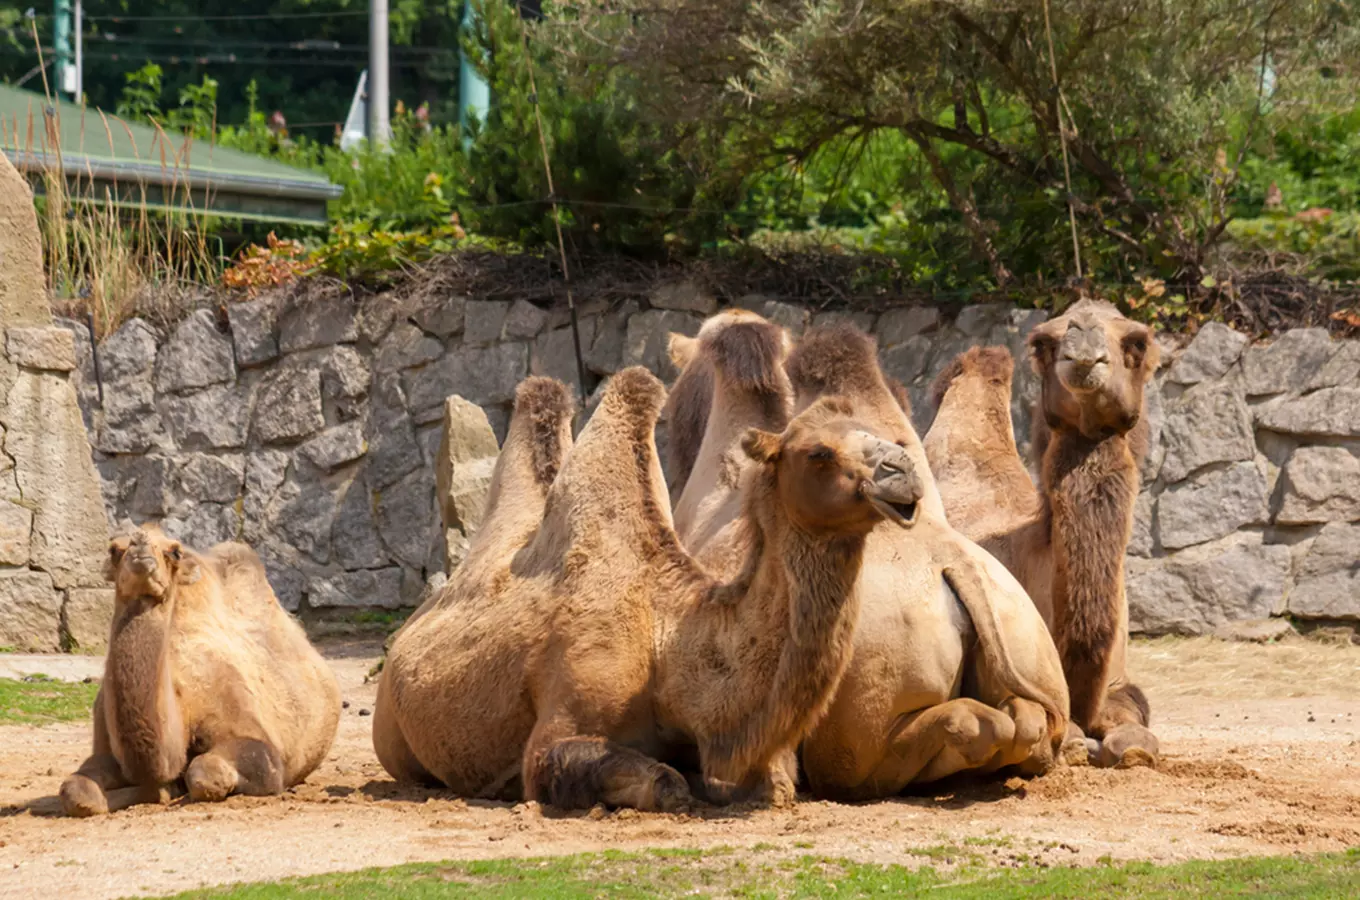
(834, 359)
(993, 364)
(749, 353)
(544, 403)
(633, 395)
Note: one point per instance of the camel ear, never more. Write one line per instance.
(117, 547)
(1043, 350)
(185, 564)
(761, 446)
(682, 349)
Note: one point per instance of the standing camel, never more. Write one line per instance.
(1065, 541)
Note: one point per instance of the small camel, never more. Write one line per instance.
(207, 680)
(922, 591)
(587, 656)
(1066, 541)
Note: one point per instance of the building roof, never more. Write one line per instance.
(108, 159)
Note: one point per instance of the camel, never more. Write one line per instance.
(585, 659)
(207, 681)
(920, 592)
(1065, 541)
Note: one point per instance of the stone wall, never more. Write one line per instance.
(310, 430)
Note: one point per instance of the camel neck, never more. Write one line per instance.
(139, 691)
(817, 575)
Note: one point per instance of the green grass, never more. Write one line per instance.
(730, 873)
(38, 700)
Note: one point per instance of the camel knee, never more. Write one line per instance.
(976, 732)
(210, 778)
(81, 797)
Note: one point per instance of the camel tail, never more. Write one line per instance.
(967, 587)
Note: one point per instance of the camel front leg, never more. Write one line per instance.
(1030, 750)
(580, 772)
(235, 766)
(1125, 740)
(774, 785)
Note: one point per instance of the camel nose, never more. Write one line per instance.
(141, 564)
(895, 477)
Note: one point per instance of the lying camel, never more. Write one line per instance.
(1066, 541)
(921, 591)
(597, 648)
(207, 679)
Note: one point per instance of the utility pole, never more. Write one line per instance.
(79, 94)
(379, 126)
(474, 95)
(61, 43)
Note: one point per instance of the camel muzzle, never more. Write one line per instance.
(896, 489)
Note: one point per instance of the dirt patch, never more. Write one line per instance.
(1249, 770)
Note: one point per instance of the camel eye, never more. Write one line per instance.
(822, 455)
(1135, 348)
(174, 553)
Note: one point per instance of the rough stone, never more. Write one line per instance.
(1255, 631)
(336, 446)
(16, 529)
(392, 449)
(1200, 589)
(45, 437)
(897, 326)
(554, 354)
(405, 347)
(1321, 484)
(216, 418)
(484, 321)
(648, 336)
(1140, 539)
(287, 580)
(684, 296)
(23, 294)
(1210, 355)
(466, 457)
(266, 471)
(1330, 411)
(482, 375)
(864, 321)
(354, 535)
(303, 515)
(1209, 423)
(253, 324)
(1342, 369)
(465, 433)
(83, 375)
(605, 356)
(130, 423)
(1212, 504)
(308, 325)
(525, 320)
(1328, 580)
(205, 525)
(130, 352)
(153, 489)
(344, 381)
(907, 360)
(30, 612)
(209, 478)
(405, 517)
(788, 315)
(443, 318)
(1153, 410)
(196, 356)
(377, 313)
(462, 498)
(50, 348)
(86, 618)
(288, 407)
(980, 318)
(1294, 359)
(367, 587)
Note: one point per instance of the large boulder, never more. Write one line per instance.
(1321, 484)
(30, 611)
(197, 356)
(1333, 411)
(463, 467)
(1197, 590)
(1292, 361)
(1212, 504)
(1208, 424)
(1328, 580)
(1210, 355)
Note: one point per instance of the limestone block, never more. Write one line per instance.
(524, 320)
(1212, 504)
(354, 535)
(554, 354)
(684, 296)
(23, 290)
(897, 326)
(367, 587)
(605, 353)
(288, 406)
(1287, 364)
(1321, 484)
(1208, 424)
(484, 322)
(336, 446)
(443, 318)
(254, 326)
(463, 466)
(1210, 355)
(217, 417)
(405, 347)
(87, 617)
(313, 324)
(47, 347)
(30, 609)
(1197, 590)
(1327, 584)
(196, 356)
(648, 336)
(482, 375)
(1331, 411)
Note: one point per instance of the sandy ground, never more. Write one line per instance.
(1262, 756)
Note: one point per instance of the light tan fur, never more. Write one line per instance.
(938, 619)
(572, 665)
(1065, 541)
(207, 681)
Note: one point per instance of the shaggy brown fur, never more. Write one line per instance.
(1094, 366)
(207, 679)
(587, 655)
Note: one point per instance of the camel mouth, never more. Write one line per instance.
(901, 513)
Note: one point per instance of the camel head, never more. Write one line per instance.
(835, 477)
(1094, 365)
(147, 564)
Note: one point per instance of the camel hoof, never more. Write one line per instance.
(1074, 752)
(210, 779)
(82, 798)
(1129, 746)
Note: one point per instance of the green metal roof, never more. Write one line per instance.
(106, 158)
